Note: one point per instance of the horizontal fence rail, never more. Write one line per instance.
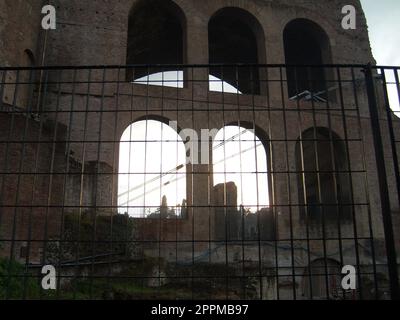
(235, 181)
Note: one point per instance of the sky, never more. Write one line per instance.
(383, 19)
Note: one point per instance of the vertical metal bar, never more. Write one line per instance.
(115, 174)
(304, 185)
(145, 163)
(18, 191)
(3, 84)
(241, 212)
(273, 203)
(366, 187)
(65, 182)
(349, 174)
(194, 209)
(51, 172)
(383, 185)
(224, 182)
(83, 175)
(289, 188)
(95, 188)
(52, 163)
(321, 204)
(342, 107)
(180, 217)
(17, 196)
(160, 233)
(260, 269)
(36, 166)
(389, 115)
(210, 184)
(43, 104)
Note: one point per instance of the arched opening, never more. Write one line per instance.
(152, 171)
(323, 178)
(306, 44)
(235, 36)
(241, 186)
(322, 280)
(156, 35)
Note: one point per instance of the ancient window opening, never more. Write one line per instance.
(173, 79)
(241, 185)
(236, 37)
(156, 36)
(152, 171)
(323, 178)
(307, 46)
(391, 78)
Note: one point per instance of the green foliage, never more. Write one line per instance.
(88, 235)
(15, 282)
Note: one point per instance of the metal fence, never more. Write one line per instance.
(199, 182)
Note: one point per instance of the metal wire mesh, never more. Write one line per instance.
(179, 186)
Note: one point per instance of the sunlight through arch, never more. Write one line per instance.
(152, 171)
(239, 156)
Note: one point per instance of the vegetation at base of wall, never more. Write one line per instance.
(86, 235)
(15, 282)
(131, 282)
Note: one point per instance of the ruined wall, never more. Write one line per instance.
(32, 166)
(20, 43)
(19, 31)
(95, 33)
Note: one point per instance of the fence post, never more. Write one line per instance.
(383, 184)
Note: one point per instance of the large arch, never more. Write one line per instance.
(148, 188)
(156, 35)
(307, 44)
(242, 190)
(236, 36)
(323, 177)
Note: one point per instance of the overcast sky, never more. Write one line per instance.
(384, 26)
(383, 18)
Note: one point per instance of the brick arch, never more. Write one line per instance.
(236, 36)
(317, 19)
(258, 131)
(262, 136)
(306, 43)
(182, 165)
(315, 28)
(164, 38)
(323, 147)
